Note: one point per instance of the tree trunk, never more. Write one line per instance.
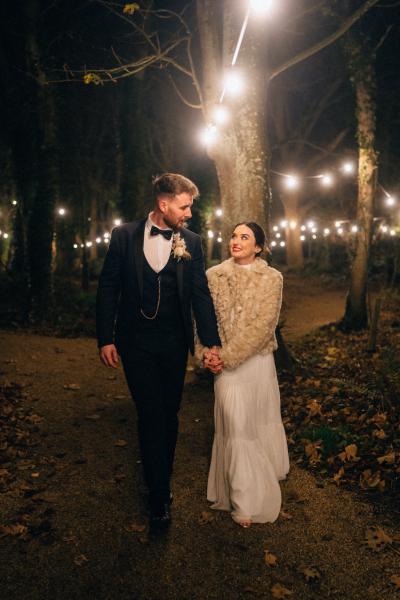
(294, 246)
(360, 58)
(240, 153)
(41, 223)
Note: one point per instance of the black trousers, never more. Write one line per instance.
(155, 371)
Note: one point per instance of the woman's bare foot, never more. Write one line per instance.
(242, 521)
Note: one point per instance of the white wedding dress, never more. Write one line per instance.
(249, 454)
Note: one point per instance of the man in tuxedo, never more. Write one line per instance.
(152, 280)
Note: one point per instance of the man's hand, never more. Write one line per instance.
(109, 356)
(212, 361)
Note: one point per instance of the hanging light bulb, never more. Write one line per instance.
(209, 135)
(390, 201)
(292, 182)
(302, 237)
(260, 7)
(117, 222)
(210, 234)
(234, 84)
(354, 228)
(348, 167)
(219, 212)
(283, 224)
(61, 211)
(221, 115)
(327, 180)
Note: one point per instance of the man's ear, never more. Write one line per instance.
(162, 203)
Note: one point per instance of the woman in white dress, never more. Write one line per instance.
(249, 454)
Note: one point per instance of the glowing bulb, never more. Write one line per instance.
(310, 224)
(209, 135)
(106, 235)
(337, 224)
(260, 7)
(314, 230)
(392, 232)
(348, 167)
(282, 244)
(275, 228)
(354, 228)
(293, 224)
(82, 245)
(284, 224)
(303, 228)
(89, 244)
(14, 202)
(273, 243)
(5, 235)
(210, 234)
(327, 180)
(61, 211)
(221, 115)
(219, 239)
(340, 231)
(327, 231)
(292, 182)
(98, 240)
(117, 222)
(302, 237)
(384, 229)
(75, 246)
(234, 84)
(314, 237)
(278, 235)
(390, 201)
(219, 212)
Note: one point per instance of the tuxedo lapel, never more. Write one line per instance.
(139, 254)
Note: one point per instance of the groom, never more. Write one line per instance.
(152, 279)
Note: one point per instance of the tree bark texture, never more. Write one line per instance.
(360, 57)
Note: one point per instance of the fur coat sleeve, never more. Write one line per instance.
(247, 303)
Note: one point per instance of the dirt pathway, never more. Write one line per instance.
(87, 484)
(81, 491)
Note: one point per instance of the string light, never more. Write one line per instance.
(292, 182)
(293, 225)
(234, 83)
(275, 228)
(209, 135)
(278, 235)
(5, 235)
(98, 240)
(117, 222)
(282, 244)
(283, 224)
(310, 224)
(302, 237)
(61, 211)
(219, 239)
(327, 180)
(219, 212)
(303, 228)
(326, 231)
(221, 115)
(14, 202)
(314, 237)
(348, 168)
(210, 234)
(273, 243)
(390, 201)
(392, 232)
(260, 7)
(75, 245)
(354, 228)
(340, 230)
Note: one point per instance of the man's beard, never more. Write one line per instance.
(174, 226)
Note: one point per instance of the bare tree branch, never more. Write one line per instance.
(330, 39)
(182, 97)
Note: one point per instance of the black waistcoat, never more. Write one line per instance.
(169, 316)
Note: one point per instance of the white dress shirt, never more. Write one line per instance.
(156, 248)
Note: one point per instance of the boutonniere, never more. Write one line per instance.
(179, 250)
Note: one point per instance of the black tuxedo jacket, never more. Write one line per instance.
(120, 288)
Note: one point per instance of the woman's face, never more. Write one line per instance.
(243, 245)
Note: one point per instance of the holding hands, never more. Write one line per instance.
(212, 361)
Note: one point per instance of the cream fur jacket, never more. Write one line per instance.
(247, 302)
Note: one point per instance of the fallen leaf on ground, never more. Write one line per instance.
(135, 528)
(349, 453)
(80, 560)
(72, 386)
(270, 559)
(389, 459)
(15, 529)
(370, 479)
(337, 477)
(377, 539)
(285, 515)
(311, 574)
(206, 517)
(280, 591)
(395, 579)
(121, 443)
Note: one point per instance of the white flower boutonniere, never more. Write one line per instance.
(179, 250)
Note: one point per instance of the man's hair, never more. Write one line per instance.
(171, 184)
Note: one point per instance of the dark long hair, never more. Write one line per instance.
(259, 234)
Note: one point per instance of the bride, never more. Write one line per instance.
(249, 454)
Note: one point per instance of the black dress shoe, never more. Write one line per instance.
(160, 518)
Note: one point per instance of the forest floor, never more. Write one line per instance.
(72, 510)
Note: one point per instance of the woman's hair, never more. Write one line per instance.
(259, 235)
